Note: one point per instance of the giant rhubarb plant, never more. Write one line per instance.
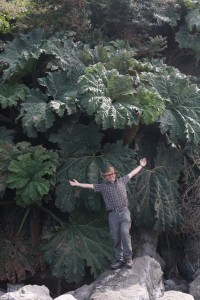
(71, 104)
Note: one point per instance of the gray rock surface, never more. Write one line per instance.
(28, 292)
(195, 288)
(142, 282)
(173, 295)
(65, 297)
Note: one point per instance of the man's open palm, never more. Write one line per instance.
(74, 182)
(143, 162)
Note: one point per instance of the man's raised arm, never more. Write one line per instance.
(143, 163)
(82, 185)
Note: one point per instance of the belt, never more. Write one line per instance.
(116, 210)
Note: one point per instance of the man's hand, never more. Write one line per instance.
(74, 182)
(143, 162)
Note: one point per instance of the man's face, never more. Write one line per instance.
(111, 177)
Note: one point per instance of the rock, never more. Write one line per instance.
(28, 292)
(144, 242)
(65, 297)
(194, 288)
(172, 295)
(196, 274)
(142, 282)
(189, 264)
(84, 291)
(14, 287)
(170, 283)
(160, 260)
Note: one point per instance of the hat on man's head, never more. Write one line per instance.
(109, 170)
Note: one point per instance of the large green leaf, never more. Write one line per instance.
(79, 144)
(151, 103)
(157, 192)
(109, 96)
(121, 59)
(22, 53)
(84, 160)
(116, 55)
(63, 90)
(85, 242)
(182, 114)
(10, 95)
(65, 52)
(36, 113)
(89, 168)
(78, 140)
(30, 174)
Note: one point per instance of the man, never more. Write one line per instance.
(115, 197)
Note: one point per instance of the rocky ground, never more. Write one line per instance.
(143, 282)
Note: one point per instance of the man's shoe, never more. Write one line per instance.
(129, 264)
(118, 264)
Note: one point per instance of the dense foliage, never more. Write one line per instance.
(68, 109)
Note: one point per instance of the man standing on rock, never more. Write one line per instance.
(115, 197)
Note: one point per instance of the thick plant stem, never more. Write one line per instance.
(129, 134)
(51, 214)
(23, 220)
(44, 209)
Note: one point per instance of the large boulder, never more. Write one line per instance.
(28, 292)
(142, 282)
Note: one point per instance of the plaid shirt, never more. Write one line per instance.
(114, 194)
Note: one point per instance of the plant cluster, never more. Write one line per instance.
(68, 110)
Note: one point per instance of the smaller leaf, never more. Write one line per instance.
(63, 90)
(10, 95)
(30, 175)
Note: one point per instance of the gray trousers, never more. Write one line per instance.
(120, 224)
